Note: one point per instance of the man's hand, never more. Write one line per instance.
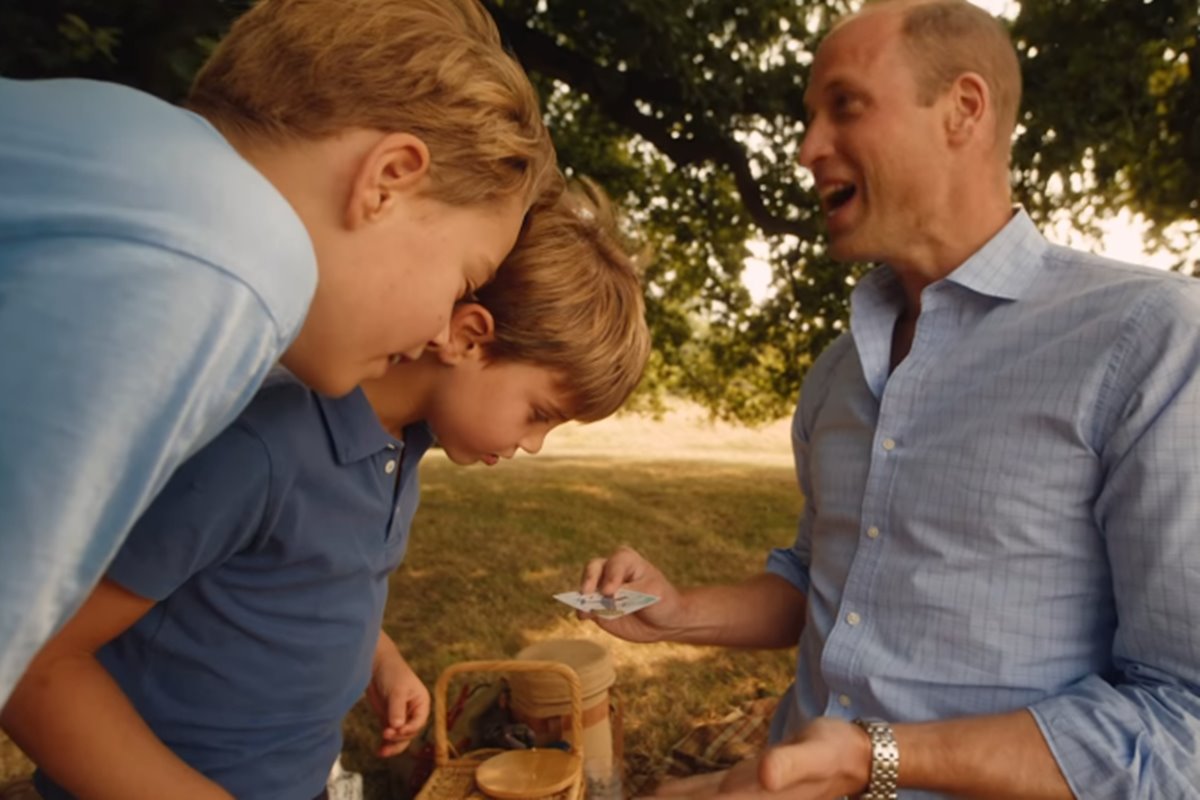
(827, 759)
(398, 697)
(626, 568)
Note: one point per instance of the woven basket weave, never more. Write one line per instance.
(454, 778)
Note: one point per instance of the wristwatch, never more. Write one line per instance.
(885, 761)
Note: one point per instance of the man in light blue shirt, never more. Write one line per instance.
(155, 263)
(994, 583)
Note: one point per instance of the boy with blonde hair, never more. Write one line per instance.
(156, 262)
(241, 619)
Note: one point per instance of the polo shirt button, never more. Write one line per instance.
(844, 700)
(889, 444)
(390, 466)
(853, 618)
(872, 532)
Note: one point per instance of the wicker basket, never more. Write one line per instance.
(454, 778)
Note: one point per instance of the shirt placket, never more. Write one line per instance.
(848, 647)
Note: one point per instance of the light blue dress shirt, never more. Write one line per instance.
(149, 279)
(1011, 518)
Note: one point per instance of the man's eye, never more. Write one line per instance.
(845, 104)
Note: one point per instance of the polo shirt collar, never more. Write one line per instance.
(354, 430)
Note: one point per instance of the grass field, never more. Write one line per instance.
(490, 546)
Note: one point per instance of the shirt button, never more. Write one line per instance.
(844, 700)
(853, 618)
(872, 532)
(889, 444)
(390, 466)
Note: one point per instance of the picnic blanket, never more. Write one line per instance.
(712, 746)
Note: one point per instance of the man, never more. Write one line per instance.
(997, 565)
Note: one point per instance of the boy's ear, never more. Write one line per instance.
(396, 166)
(471, 330)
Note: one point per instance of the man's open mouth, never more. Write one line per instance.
(837, 195)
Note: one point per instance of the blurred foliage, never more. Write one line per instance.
(687, 111)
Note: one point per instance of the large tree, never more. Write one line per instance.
(688, 111)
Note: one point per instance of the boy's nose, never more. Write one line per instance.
(532, 443)
(442, 338)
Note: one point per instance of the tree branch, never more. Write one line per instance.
(615, 92)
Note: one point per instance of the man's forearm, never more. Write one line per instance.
(74, 721)
(763, 612)
(982, 758)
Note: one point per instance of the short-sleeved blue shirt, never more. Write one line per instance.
(150, 277)
(268, 553)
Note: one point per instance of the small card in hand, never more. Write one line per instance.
(625, 601)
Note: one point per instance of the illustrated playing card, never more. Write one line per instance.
(625, 601)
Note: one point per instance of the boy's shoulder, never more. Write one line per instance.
(282, 407)
(302, 430)
(92, 159)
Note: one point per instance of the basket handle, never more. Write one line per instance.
(440, 736)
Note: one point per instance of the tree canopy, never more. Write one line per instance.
(688, 112)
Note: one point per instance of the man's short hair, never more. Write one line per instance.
(569, 298)
(309, 69)
(946, 38)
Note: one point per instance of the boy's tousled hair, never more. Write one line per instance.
(568, 298)
(309, 69)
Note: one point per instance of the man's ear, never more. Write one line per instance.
(471, 330)
(396, 166)
(969, 109)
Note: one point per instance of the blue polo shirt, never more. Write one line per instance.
(150, 278)
(268, 553)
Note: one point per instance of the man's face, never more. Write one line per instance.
(394, 288)
(876, 154)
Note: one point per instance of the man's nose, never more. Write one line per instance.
(814, 146)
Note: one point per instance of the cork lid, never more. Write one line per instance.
(525, 774)
(542, 694)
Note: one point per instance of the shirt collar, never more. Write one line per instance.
(354, 430)
(1004, 268)
(1008, 264)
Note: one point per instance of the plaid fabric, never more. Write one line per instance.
(713, 746)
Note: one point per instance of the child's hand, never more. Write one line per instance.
(400, 700)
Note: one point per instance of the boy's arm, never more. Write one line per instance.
(399, 698)
(74, 721)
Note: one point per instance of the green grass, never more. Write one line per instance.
(491, 546)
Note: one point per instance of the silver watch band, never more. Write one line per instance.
(885, 761)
